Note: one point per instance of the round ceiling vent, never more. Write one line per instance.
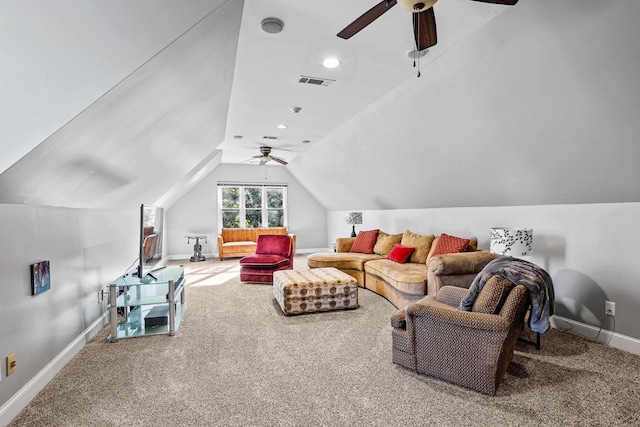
(272, 25)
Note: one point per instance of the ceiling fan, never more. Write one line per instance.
(424, 20)
(266, 156)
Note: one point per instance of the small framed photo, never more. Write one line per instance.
(40, 277)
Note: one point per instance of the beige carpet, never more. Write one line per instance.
(236, 360)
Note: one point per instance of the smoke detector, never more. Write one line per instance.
(272, 25)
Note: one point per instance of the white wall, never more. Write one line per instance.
(87, 249)
(589, 250)
(197, 212)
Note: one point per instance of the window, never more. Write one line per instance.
(252, 205)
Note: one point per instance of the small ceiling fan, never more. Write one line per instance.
(266, 156)
(424, 20)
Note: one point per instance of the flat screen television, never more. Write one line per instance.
(151, 230)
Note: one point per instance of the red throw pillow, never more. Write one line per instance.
(449, 245)
(365, 241)
(400, 254)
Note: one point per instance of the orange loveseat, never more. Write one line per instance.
(241, 242)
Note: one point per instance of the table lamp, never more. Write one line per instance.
(511, 241)
(353, 218)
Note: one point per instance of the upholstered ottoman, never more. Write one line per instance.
(318, 289)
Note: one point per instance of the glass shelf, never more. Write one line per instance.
(131, 299)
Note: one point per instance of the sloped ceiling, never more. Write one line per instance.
(530, 104)
(540, 107)
(152, 128)
(373, 62)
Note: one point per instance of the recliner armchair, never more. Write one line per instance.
(273, 253)
(469, 348)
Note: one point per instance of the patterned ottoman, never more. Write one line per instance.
(318, 289)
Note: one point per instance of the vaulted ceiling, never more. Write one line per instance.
(110, 104)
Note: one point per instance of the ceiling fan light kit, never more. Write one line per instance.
(424, 21)
(265, 156)
(415, 54)
(416, 6)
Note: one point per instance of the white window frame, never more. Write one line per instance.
(242, 208)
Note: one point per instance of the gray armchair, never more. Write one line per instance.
(469, 348)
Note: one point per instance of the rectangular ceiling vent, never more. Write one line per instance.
(271, 137)
(318, 81)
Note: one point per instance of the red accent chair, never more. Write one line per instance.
(273, 252)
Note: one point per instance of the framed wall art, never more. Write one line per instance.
(40, 277)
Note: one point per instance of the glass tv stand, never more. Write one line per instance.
(150, 305)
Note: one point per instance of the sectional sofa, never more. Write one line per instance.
(430, 266)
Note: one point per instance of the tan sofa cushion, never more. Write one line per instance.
(410, 278)
(340, 260)
(422, 244)
(385, 243)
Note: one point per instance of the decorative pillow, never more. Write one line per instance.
(420, 242)
(385, 243)
(492, 295)
(365, 241)
(400, 254)
(449, 245)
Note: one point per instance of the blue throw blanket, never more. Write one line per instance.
(520, 272)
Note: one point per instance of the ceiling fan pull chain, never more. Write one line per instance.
(416, 24)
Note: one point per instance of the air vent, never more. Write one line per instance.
(318, 81)
(271, 137)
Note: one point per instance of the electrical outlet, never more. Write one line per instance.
(610, 308)
(11, 363)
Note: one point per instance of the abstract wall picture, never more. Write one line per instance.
(40, 277)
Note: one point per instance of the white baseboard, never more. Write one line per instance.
(313, 250)
(189, 255)
(593, 333)
(18, 401)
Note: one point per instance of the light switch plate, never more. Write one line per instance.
(11, 364)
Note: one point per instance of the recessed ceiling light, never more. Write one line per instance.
(272, 25)
(331, 63)
(281, 126)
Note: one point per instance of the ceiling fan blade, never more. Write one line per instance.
(507, 2)
(366, 18)
(279, 160)
(424, 29)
